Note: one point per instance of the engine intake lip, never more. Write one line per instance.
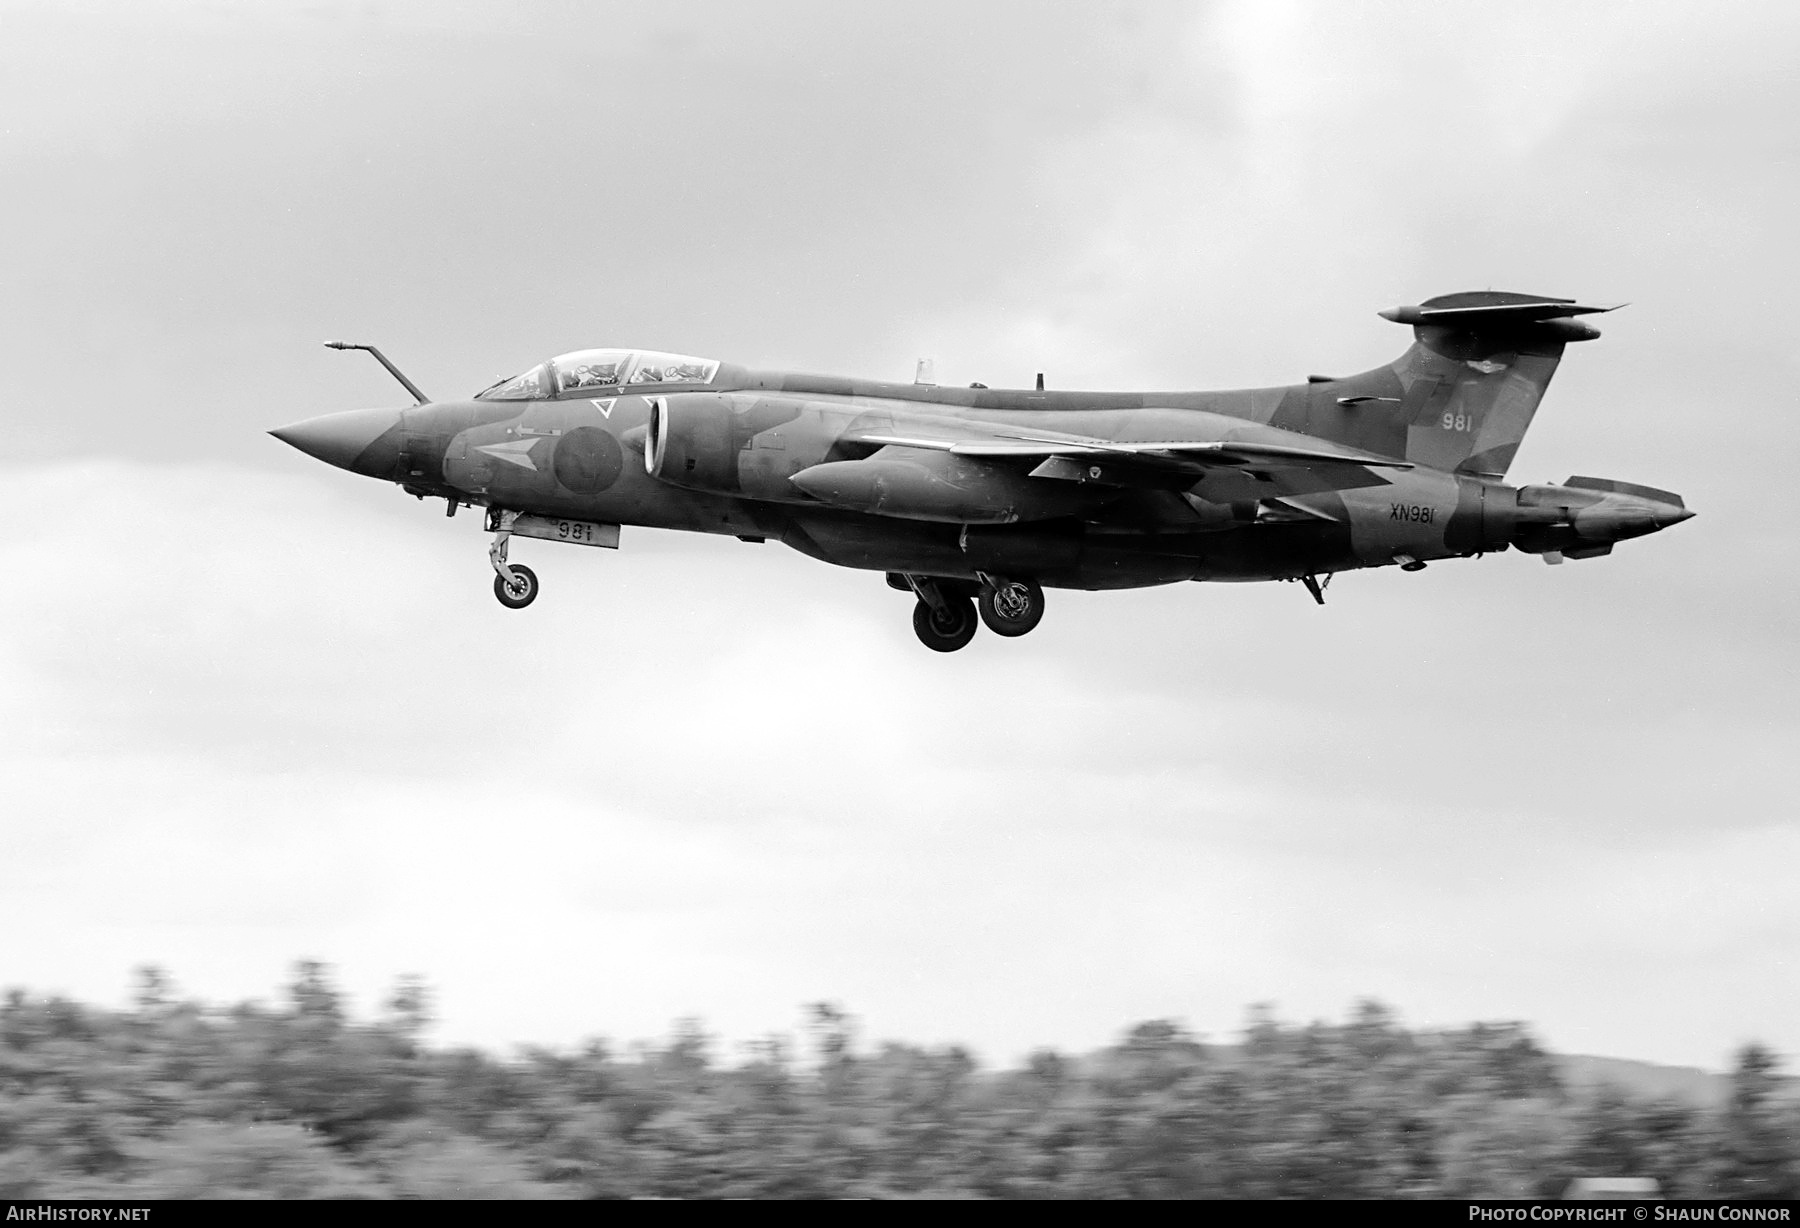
(656, 438)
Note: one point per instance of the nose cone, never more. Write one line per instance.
(1618, 517)
(348, 439)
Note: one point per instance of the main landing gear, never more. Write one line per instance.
(948, 611)
(1010, 607)
(946, 626)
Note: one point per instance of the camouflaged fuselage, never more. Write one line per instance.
(572, 460)
(1402, 464)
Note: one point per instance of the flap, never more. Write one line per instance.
(1221, 471)
(1208, 451)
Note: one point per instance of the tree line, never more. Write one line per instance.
(172, 1098)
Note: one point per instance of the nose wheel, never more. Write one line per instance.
(516, 587)
(518, 592)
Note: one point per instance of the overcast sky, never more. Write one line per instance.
(254, 709)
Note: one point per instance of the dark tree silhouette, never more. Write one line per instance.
(173, 1098)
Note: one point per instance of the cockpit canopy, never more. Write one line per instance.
(587, 371)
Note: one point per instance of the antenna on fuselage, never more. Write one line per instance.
(382, 359)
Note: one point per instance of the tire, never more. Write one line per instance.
(520, 594)
(948, 631)
(1012, 607)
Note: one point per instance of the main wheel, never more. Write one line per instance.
(521, 592)
(946, 630)
(1011, 607)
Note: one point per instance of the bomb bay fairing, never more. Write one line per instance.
(975, 500)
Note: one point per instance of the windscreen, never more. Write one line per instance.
(530, 386)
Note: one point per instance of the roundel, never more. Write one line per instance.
(587, 460)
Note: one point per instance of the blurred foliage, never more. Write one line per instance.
(172, 1099)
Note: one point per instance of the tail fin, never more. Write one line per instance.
(1476, 372)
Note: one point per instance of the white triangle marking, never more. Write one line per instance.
(513, 452)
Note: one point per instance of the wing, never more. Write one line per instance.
(1223, 471)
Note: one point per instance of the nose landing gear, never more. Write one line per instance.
(516, 587)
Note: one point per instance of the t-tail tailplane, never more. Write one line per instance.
(1478, 367)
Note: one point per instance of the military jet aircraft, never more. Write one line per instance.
(976, 499)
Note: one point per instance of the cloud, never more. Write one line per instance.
(285, 717)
